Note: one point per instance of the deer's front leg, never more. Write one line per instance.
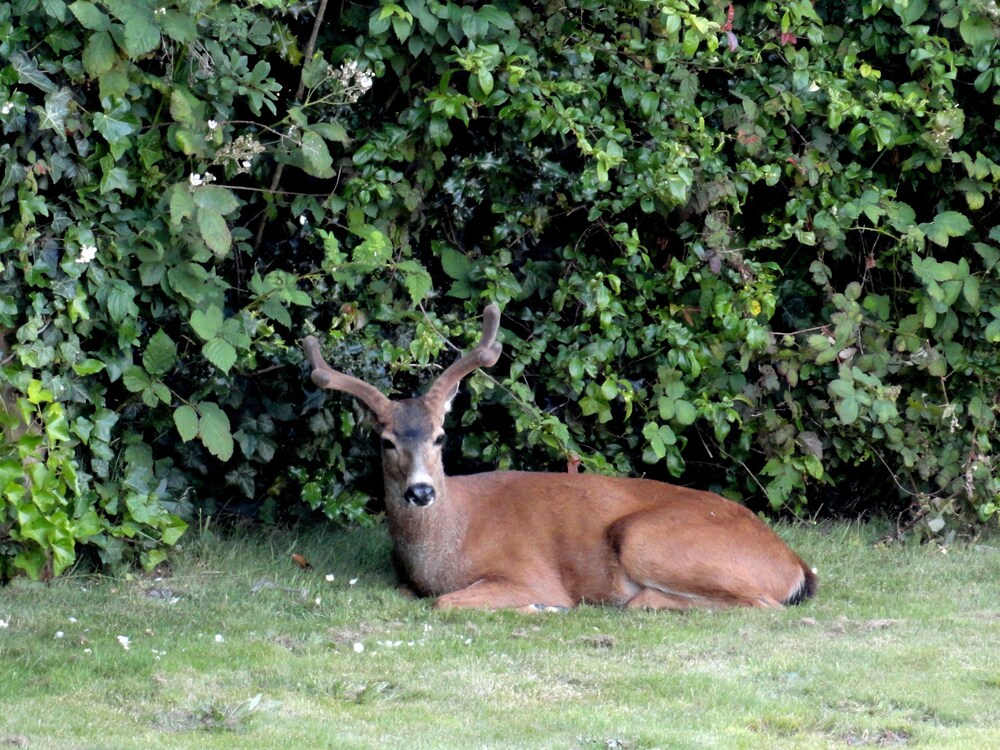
(499, 594)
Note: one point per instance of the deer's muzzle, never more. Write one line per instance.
(420, 495)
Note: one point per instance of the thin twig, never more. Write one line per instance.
(310, 50)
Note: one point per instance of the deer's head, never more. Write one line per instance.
(412, 430)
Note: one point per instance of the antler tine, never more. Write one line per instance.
(326, 377)
(486, 354)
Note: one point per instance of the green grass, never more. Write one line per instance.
(900, 649)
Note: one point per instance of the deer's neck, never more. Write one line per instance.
(428, 541)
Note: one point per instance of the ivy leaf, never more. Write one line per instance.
(215, 431)
(53, 115)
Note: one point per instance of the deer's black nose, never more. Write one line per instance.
(420, 495)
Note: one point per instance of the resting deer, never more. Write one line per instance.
(535, 541)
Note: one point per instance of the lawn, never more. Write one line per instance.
(239, 647)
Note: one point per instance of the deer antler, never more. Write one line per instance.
(486, 354)
(326, 377)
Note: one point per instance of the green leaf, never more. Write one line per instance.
(186, 420)
(946, 224)
(116, 125)
(141, 35)
(218, 199)
(455, 264)
(331, 131)
(99, 54)
(976, 30)
(416, 279)
(90, 16)
(316, 159)
(181, 203)
(207, 323)
(215, 431)
(220, 353)
(135, 379)
(121, 301)
(215, 232)
(684, 413)
(160, 354)
(185, 107)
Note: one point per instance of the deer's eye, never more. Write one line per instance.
(439, 440)
(388, 445)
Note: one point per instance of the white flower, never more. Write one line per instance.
(160, 12)
(87, 254)
(195, 179)
(212, 124)
(246, 164)
(219, 638)
(353, 581)
(318, 601)
(359, 647)
(329, 577)
(72, 620)
(59, 634)
(4, 624)
(125, 641)
(302, 222)
(7, 108)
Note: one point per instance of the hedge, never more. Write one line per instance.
(751, 248)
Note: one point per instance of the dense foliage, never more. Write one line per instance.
(754, 248)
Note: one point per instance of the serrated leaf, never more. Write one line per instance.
(121, 301)
(141, 35)
(215, 431)
(276, 311)
(207, 323)
(945, 225)
(186, 420)
(214, 231)
(847, 409)
(457, 265)
(316, 159)
(218, 199)
(220, 353)
(179, 26)
(161, 392)
(160, 354)
(135, 379)
(90, 16)
(331, 131)
(416, 279)
(185, 107)
(181, 203)
(99, 54)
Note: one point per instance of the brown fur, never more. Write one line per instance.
(529, 540)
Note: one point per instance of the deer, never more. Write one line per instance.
(537, 541)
